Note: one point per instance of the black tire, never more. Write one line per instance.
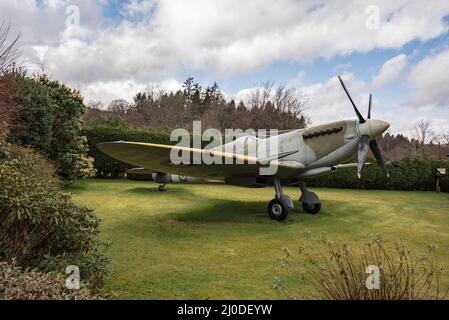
(277, 210)
(311, 208)
(161, 188)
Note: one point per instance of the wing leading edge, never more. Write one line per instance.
(156, 157)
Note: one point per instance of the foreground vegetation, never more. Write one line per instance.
(42, 231)
(215, 241)
(19, 284)
(378, 272)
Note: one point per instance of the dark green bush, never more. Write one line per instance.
(19, 284)
(41, 166)
(106, 166)
(49, 120)
(405, 174)
(40, 227)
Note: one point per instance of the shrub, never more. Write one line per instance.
(75, 163)
(415, 174)
(340, 272)
(18, 284)
(40, 166)
(108, 167)
(41, 227)
(33, 126)
(8, 111)
(68, 147)
(49, 120)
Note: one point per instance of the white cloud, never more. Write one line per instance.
(225, 37)
(112, 90)
(298, 80)
(229, 37)
(138, 7)
(234, 36)
(44, 25)
(328, 102)
(390, 71)
(429, 80)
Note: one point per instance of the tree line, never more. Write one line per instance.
(425, 141)
(265, 107)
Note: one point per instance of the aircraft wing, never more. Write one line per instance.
(310, 173)
(156, 157)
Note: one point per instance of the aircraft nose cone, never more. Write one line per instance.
(383, 125)
(373, 128)
(378, 127)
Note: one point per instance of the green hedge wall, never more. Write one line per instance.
(405, 174)
(106, 166)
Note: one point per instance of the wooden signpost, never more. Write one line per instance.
(440, 172)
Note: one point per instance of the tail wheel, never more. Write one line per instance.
(277, 210)
(312, 208)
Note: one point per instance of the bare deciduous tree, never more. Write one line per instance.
(8, 54)
(289, 100)
(259, 97)
(442, 139)
(423, 134)
(119, 107)
(8, 50)
(278, 107)
(445, 138)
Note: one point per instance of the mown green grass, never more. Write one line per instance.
(216, 241)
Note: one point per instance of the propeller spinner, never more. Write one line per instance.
(369, 129)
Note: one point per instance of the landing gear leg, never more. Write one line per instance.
(311, 203)
(162, 188)
(278, 207)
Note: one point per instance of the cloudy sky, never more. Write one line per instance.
(109, 49)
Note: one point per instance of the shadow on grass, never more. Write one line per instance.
(152, 189)
(74, 188)
(154, 192)
(226, 211)
(229, 211)
(233, 218)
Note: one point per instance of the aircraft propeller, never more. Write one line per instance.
(366, 141)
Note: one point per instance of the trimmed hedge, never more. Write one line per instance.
(405, 174)
(106, 166)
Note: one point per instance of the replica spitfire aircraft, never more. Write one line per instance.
(302, 154)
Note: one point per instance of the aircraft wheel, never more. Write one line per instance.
(277, 210)
(312, 208)
(161, 188)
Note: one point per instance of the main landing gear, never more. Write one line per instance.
(310, 201)
(161, 188)
(279, 206)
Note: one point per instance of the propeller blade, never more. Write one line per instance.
(363, 151)
(378, 155)
(369, 106)
(357, 112)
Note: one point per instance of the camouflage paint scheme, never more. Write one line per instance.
(301, 154)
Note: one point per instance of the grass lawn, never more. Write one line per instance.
(217, 242)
